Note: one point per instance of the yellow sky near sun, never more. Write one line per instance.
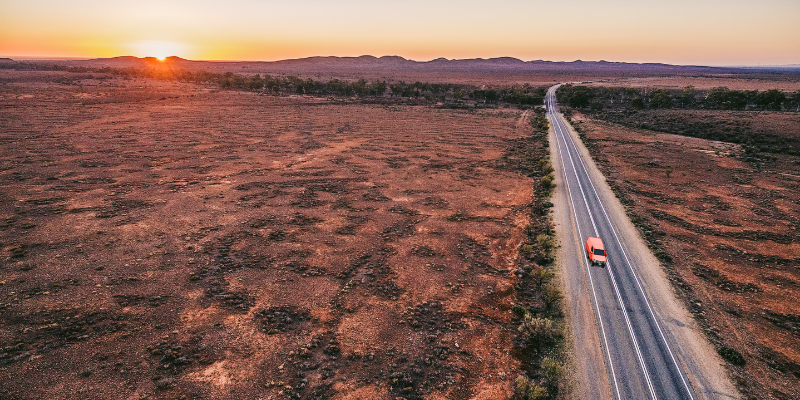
(710, 32)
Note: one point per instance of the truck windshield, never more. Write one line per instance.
(599, 252)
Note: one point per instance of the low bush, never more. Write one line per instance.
(552, 296)
(538, 331)
(526, 389)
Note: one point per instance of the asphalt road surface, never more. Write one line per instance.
(639, 356)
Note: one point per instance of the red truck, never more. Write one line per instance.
(596, 251)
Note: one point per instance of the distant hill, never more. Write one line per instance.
(501, 64)
(333, 64)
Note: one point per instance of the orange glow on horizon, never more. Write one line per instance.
(677, 32)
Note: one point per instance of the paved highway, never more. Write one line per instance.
(637, 349)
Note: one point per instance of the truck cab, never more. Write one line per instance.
(596, 252)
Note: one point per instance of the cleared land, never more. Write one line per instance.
(170, 240)
(725, 226)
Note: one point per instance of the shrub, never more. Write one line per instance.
(525, 389)
(547, 181)
(536, 392)
(545, 242)
(528, 229)
(541, 276)
(521, 387)
(552, 370)
(551, 296)
(731, 355)
(527, 249)
(538, 331)
(662, 255)
(519, 310)
(545, 167)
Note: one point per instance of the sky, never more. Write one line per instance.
(684, 32)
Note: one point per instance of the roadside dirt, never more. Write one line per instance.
(176, 241)
(725, 231)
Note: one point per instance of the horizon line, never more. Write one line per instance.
(71, 58)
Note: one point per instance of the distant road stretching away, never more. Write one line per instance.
(639, 358)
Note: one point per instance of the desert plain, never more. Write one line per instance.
(167, 239)
(183, 241)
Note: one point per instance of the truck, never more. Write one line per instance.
(596, 252)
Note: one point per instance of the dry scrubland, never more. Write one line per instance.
(177, 241)
(788, 82)
(725, 225)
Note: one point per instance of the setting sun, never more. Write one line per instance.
(158, 48)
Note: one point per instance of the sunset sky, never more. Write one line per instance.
(705, 32)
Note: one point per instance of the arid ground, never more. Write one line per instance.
(173, 240)
(178, 241)
(787, 82)
(725, 227)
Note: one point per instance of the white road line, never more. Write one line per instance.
(608, 266)
(591, 281)
(638, 284)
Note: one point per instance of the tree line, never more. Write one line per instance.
(719, 98)
(425, 92)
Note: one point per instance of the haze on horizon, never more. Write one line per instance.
(712, 32)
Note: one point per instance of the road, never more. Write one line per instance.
(642, 347)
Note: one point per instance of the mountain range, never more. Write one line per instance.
(396, 63)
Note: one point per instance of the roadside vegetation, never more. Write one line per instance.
(538, 312)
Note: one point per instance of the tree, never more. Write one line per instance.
(397, 90)
(637, 103)
(794, 100)
(580, 96)
(255, 83)
(458, 94)
(661, 99)
(726, 99)
(771, 99)
(491, 95)
(378, 88)
(687, 96)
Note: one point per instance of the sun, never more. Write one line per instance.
(159, 49)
